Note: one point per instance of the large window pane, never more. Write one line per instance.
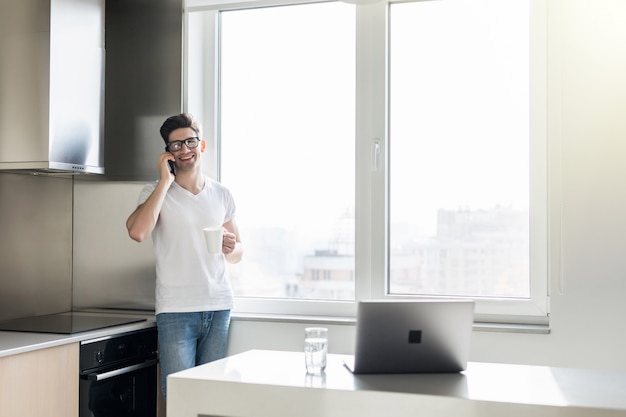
(459, 148)
(458, 145)
(287, 147)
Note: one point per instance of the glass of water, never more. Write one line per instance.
(315, 349)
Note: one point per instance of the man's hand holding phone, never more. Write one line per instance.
(171, 162)
(167, 167)
(172, 165)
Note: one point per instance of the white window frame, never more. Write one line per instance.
(372, 132)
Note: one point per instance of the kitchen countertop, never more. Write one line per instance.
(266, 378)
(13, 343)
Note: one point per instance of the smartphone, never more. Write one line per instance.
(172, 165)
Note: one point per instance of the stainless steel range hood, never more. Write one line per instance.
(52, 86)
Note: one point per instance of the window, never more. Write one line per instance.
(393, 150)
(287, 147)
(459, 148)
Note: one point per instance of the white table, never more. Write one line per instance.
(261, 383)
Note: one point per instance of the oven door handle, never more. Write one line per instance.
(117, 372)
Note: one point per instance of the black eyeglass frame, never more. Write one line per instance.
(187, 142)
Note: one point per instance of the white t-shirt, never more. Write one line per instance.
(188, 278)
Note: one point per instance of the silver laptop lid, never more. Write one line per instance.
(423, 336)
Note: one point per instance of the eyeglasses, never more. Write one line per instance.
(177, 145)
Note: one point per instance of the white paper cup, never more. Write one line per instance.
(213, 238)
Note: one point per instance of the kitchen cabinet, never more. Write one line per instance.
(143, 73)
(40, 383)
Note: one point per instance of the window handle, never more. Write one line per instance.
(375, 154)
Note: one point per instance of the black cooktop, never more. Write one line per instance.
(65, 323)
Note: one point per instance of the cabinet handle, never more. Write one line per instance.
(95, 376)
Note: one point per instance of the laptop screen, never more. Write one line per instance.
(416, 336)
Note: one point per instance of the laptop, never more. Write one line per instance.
(402, 336)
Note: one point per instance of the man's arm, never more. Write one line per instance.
(142, 221)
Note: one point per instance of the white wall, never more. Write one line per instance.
(587, 134)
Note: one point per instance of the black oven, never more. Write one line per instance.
(118, 375)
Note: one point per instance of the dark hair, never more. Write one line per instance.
(177, 122)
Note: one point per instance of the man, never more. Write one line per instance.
(193, 294)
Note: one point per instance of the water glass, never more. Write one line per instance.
(315, 349)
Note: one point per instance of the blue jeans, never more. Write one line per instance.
(190, 339)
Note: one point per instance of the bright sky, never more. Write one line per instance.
(288, 111)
